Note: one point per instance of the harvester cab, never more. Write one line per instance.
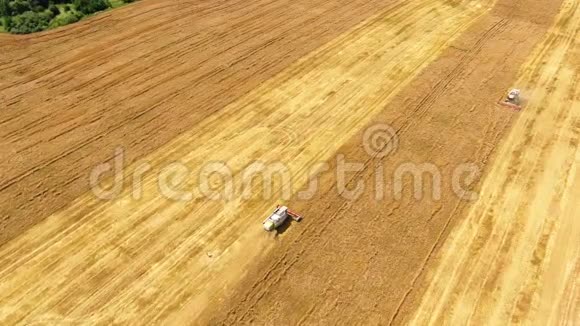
(278, 217)
(512, 100)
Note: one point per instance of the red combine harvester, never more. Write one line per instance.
(278, 217)
(512, 100)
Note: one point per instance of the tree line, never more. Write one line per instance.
(29, 16)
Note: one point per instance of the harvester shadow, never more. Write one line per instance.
(282, 228)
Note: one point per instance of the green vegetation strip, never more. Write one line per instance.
(29, 16)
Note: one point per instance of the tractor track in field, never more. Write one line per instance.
(115, 242)
(544, 141)
(264, 283)
(130, 107)
(303, 301)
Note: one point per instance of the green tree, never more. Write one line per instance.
(7, 22)
(4, 8)
(30, 22)
(28, 16)
(18, 7)
(88, 7)
(54, 10)
(43, 3)
(66, 18)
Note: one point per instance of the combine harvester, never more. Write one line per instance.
(512, 100)
(278, 217)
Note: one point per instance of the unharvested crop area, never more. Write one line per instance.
(298, 83)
